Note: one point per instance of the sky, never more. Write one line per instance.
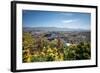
(75, 20)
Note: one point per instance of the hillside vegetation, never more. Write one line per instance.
(40, 49)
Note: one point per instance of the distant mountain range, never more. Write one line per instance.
(51, 29)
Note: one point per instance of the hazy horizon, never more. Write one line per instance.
(57, 27)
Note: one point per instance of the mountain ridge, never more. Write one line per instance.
(51, 29)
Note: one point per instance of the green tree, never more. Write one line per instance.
(28, 45)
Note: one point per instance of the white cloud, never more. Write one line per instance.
(67, 14)
(69, 21)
